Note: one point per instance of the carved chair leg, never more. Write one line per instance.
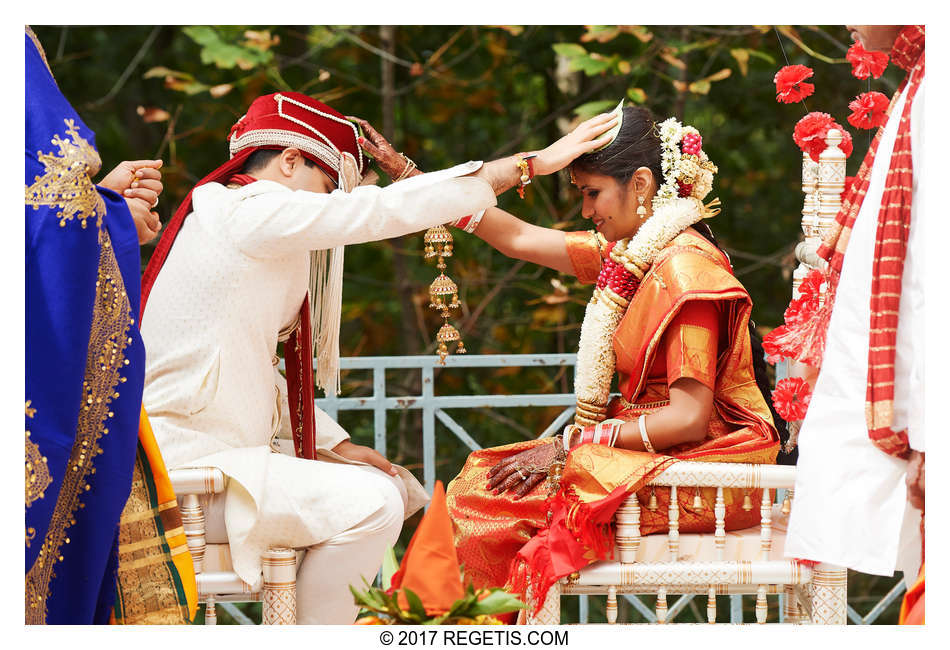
(829, 595)
(550, 614)
(193, 523)
(791, 611)
(211, 615)
(611, 604)
(280, 587)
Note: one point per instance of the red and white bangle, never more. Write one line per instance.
(469, 222)
(602, 433)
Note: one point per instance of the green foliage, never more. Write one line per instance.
(474, 92)
(221, 50)
(474, 606)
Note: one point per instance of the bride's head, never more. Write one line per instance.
(618, 179)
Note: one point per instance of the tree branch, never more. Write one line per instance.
(129, 68)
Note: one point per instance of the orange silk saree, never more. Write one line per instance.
(689, 318)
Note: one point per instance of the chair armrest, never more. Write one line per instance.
(197, 480)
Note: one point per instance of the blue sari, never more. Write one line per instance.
(85, 361)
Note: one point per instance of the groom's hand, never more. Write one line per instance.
(368, 455)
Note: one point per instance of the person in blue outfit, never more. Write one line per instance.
(85, 361)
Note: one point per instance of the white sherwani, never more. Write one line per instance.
(234, 279)
(851, 505)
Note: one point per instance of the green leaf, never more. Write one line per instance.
(415, 603)
(741, 55)
(214, 49)
(765, 56)
(570, 50)
(701, 87)
(600, 33)
(390, 564)
(590, 109)
(323, 37)
(637, 95)
(161, 71)
(498, 601)
(618, 111)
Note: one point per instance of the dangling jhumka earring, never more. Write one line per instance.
(443, 292)
(641, 211)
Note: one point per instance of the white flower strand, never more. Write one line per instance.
(672, 214)
(596, 360)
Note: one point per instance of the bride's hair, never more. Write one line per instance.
(636, 145)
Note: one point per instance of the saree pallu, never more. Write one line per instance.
(541, 538)
(85, 362)
(155, 581)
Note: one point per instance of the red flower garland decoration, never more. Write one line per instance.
(811, 131)
(800, 310)
(790, 86)
(791, 398)
(869, 110)
(866, 64)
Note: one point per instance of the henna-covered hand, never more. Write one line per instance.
(389, 160)
(533, 464)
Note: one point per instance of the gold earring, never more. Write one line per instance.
(641, 211)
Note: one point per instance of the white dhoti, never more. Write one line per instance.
(330, 564)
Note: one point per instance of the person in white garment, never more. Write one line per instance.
(859, 488)
(254, 256)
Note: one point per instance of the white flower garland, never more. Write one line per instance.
(672, 215)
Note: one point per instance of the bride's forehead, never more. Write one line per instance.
(591, 179)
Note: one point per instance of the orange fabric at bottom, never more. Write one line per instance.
(912, 609)
(489, 529)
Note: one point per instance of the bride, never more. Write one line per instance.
(668, 318)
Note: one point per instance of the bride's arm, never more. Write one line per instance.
(690, 346)
(684, 419)
(524, 241)
(502, 230)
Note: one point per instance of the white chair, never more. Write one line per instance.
(748, 561)
(217, 581)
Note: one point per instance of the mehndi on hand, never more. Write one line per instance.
(522, 472)
(396, 165)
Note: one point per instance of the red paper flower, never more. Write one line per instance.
(773, 351)
(790, 86)
(864, 63)
(868, 110)
(791, 397)
(811, 131)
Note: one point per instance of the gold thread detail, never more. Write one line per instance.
(66, 181)
(105, 357)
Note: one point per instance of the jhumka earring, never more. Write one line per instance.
(443, 292)
(641, 211)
